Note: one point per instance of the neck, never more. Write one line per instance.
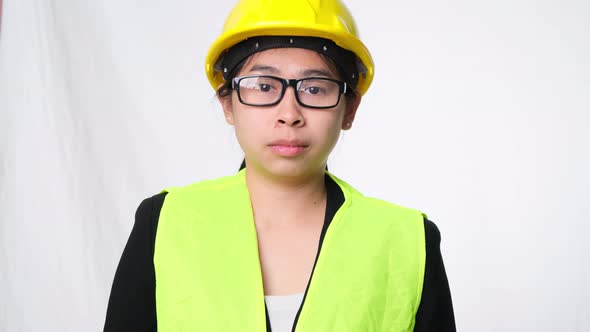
(281, 202)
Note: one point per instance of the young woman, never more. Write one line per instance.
(282, 245)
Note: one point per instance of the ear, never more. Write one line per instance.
(350, 111)
(226, 105)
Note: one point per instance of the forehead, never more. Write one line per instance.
(288, 61)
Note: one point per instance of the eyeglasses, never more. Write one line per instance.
(312, 92)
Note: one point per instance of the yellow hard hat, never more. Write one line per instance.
(328, 19)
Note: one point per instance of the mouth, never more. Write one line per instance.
(288, 148)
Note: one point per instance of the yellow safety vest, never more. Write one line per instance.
(368, 276)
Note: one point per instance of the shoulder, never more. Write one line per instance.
(210, 185)
(431, 233)
(146, 217)
(357, 201)
(389, 207)
(150, 205)
(207, 191)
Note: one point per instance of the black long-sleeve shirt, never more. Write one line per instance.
(132, 303)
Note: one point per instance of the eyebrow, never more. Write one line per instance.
(317, 72)
(264, 68)
(305, 73)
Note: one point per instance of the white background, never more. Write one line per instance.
(478, 116)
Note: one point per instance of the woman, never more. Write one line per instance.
(282, 245)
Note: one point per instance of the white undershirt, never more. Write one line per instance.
(282, 310)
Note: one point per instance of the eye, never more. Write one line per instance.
(260, 84)
(318, 87)
(263, 84)
(313, 90)
(264, 87)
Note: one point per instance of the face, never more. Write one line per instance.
(288, 140)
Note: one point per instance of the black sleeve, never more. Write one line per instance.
(436, 308)
(132, 304)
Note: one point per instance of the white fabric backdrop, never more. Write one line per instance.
(478, 115)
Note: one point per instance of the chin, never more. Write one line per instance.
(291, 169)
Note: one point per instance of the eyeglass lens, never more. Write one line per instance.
(269, 90)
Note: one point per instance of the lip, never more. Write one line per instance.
(288, 148)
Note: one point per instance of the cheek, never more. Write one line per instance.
(247, 125)
(244, 121)
(330, 129)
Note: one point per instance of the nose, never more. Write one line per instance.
(289, 110)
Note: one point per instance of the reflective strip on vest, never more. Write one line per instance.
(368, 276)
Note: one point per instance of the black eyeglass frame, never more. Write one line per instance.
(285, 83)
